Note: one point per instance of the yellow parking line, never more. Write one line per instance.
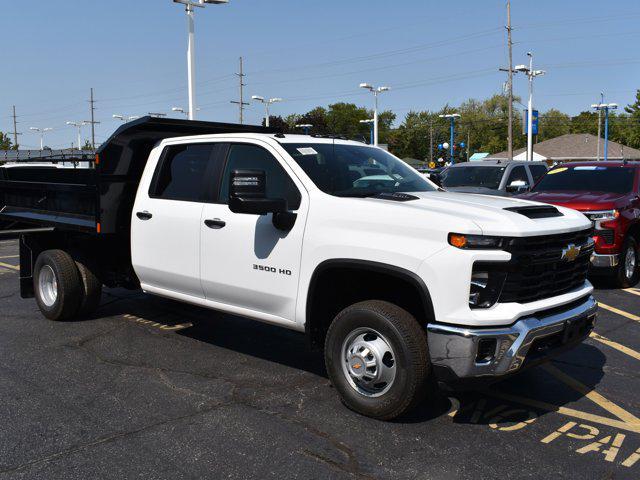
(592, 395)
(9, 256)
(628, 315)
(570, 412)
(617, 346)
(632, 290)
(12, 267)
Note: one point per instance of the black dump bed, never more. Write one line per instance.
(94, 195)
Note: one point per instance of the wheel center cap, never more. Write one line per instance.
(357, 366)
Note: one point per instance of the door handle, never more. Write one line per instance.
(144, 215)
(216, 223)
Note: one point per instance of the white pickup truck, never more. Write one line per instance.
(401, 283)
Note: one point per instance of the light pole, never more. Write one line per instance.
(376, 91)
(452, 128)
(531, 73)
(191, 59)
(267, 104)
(305, 127)
(124, 118)
(79, 126)
(371, 123)
(606, 107)
(42, 131)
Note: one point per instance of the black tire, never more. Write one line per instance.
(408, 341)
(621, 278)
(92, 291)
(69, 285)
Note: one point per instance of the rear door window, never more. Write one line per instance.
(185, 172)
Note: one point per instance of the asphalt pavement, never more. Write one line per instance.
(155, 389)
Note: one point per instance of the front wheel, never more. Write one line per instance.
(628, 270)
(377, 358)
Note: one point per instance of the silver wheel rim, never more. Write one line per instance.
(48, 286)
(368, 362)
(630, 262)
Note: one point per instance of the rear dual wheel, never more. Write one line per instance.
(64, 289)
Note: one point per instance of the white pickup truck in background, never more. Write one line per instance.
(401, 283)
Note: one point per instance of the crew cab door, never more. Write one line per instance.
(247, 264)
(165, 225)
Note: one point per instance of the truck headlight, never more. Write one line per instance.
(485, 287)
(603, 215)
(464, 241)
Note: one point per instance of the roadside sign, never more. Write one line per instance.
(534, 122)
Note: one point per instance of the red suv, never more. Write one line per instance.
(609, 194)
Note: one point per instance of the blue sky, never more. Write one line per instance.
(132, 52)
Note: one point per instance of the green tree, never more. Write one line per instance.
(87, 145)
(5, 142)
(553, 123)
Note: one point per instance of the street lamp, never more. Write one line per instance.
(371, 122)
(125, 118)
(191, 59)
(267, 104)
(376, 91)
(42, 131)
(531, 73)
(606, 107)
(79, 126)
(305, 127)
(180, 110)
(452, 117)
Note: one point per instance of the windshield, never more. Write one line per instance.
(587, 179)
(355, 171)
(488, 177)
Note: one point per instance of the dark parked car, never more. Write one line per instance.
(493, 177)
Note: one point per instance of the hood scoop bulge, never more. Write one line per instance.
(396, 196)
(536, 211)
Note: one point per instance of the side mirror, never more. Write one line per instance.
(247, 194)
(436, 178)
(517, 186)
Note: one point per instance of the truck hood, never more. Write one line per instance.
(488, 213)
(583, 201)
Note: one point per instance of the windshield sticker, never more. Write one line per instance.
(557, 170)
(307, 151)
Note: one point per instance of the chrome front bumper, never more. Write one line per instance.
(604, 261)
(457, 348)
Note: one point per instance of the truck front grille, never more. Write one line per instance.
(538, 269)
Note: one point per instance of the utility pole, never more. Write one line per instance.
(430, 140)
(509, 71)
(600, 124)
(510, 85)
(531, 74)
(241, 104)
(15, 129)
(92, 122)
(468, 142)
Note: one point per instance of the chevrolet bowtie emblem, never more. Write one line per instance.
(570, 253)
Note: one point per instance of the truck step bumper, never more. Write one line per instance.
(491, 352)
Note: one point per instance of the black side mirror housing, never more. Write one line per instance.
(247, 194)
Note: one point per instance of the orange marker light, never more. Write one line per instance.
(98, 227)
(457, 240)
